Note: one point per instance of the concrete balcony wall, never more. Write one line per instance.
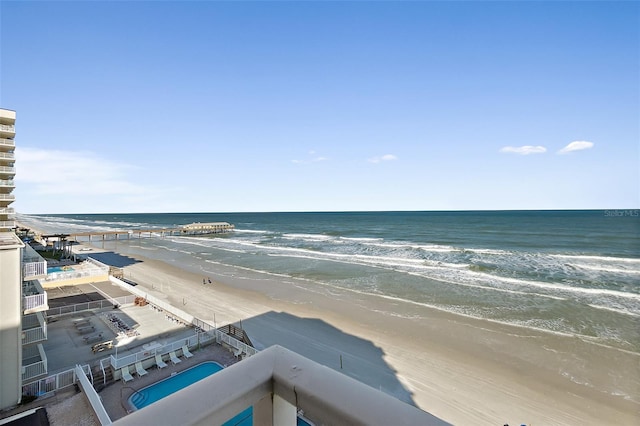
(7, 116)
(277, 383)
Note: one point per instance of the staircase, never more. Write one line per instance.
(100, 380)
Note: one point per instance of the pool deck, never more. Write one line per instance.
(65, 347)
(115, 396)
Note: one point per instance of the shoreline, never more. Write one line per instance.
(463, 370)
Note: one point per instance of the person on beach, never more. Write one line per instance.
(204, 282)
(209, 279)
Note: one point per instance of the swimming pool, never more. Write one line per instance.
(54, 269)
(157, 391)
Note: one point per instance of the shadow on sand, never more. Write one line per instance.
(327, 345)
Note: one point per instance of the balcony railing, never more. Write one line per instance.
(7, 197)
(7, 169)
(34, 298)
(34, 270)
(278, 383)
(7, 182)
(7, 211)
(50, 384)
(34, 362)
(33, 265)
(34, 329)
(11, 128)
(7, 224)
(7, 156)
(7, 142)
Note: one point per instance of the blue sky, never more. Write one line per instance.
(318, 106)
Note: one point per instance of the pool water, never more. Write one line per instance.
(54, 269)
(246, 419)
(152, 393)
(157, 391)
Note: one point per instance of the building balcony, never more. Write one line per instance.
(34, 297)
(279, 383)
(7, 143)
(7, 116)
(6, 212)
(9, 183)
(7, 170)
(7, 156)
(7, 130)
(34, 362)
(10, 198)
(33, 265)
(34, 328)
(6, 225)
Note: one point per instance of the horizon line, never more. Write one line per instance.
(352, 211)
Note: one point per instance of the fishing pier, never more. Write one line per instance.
(184, 230)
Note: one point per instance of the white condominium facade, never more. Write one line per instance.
(7, 168)
(22, 299)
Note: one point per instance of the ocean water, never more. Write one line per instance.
(575, 273)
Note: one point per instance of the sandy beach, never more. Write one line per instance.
(463, 370)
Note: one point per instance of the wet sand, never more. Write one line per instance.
(463, 370)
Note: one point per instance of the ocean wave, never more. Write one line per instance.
(604, 269)
(601, 258)
(250, 231)
(562, 288)
(486, 251)
(425, 247)
(308, 237)
(617, 310)
(361, 239)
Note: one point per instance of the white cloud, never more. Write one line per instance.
(524, 150)
(386, 157)
(72, 173)
(576, 146)
(311, 160)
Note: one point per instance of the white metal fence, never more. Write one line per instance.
(87, 306)
(54, 382)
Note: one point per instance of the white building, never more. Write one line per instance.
(22, 299)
